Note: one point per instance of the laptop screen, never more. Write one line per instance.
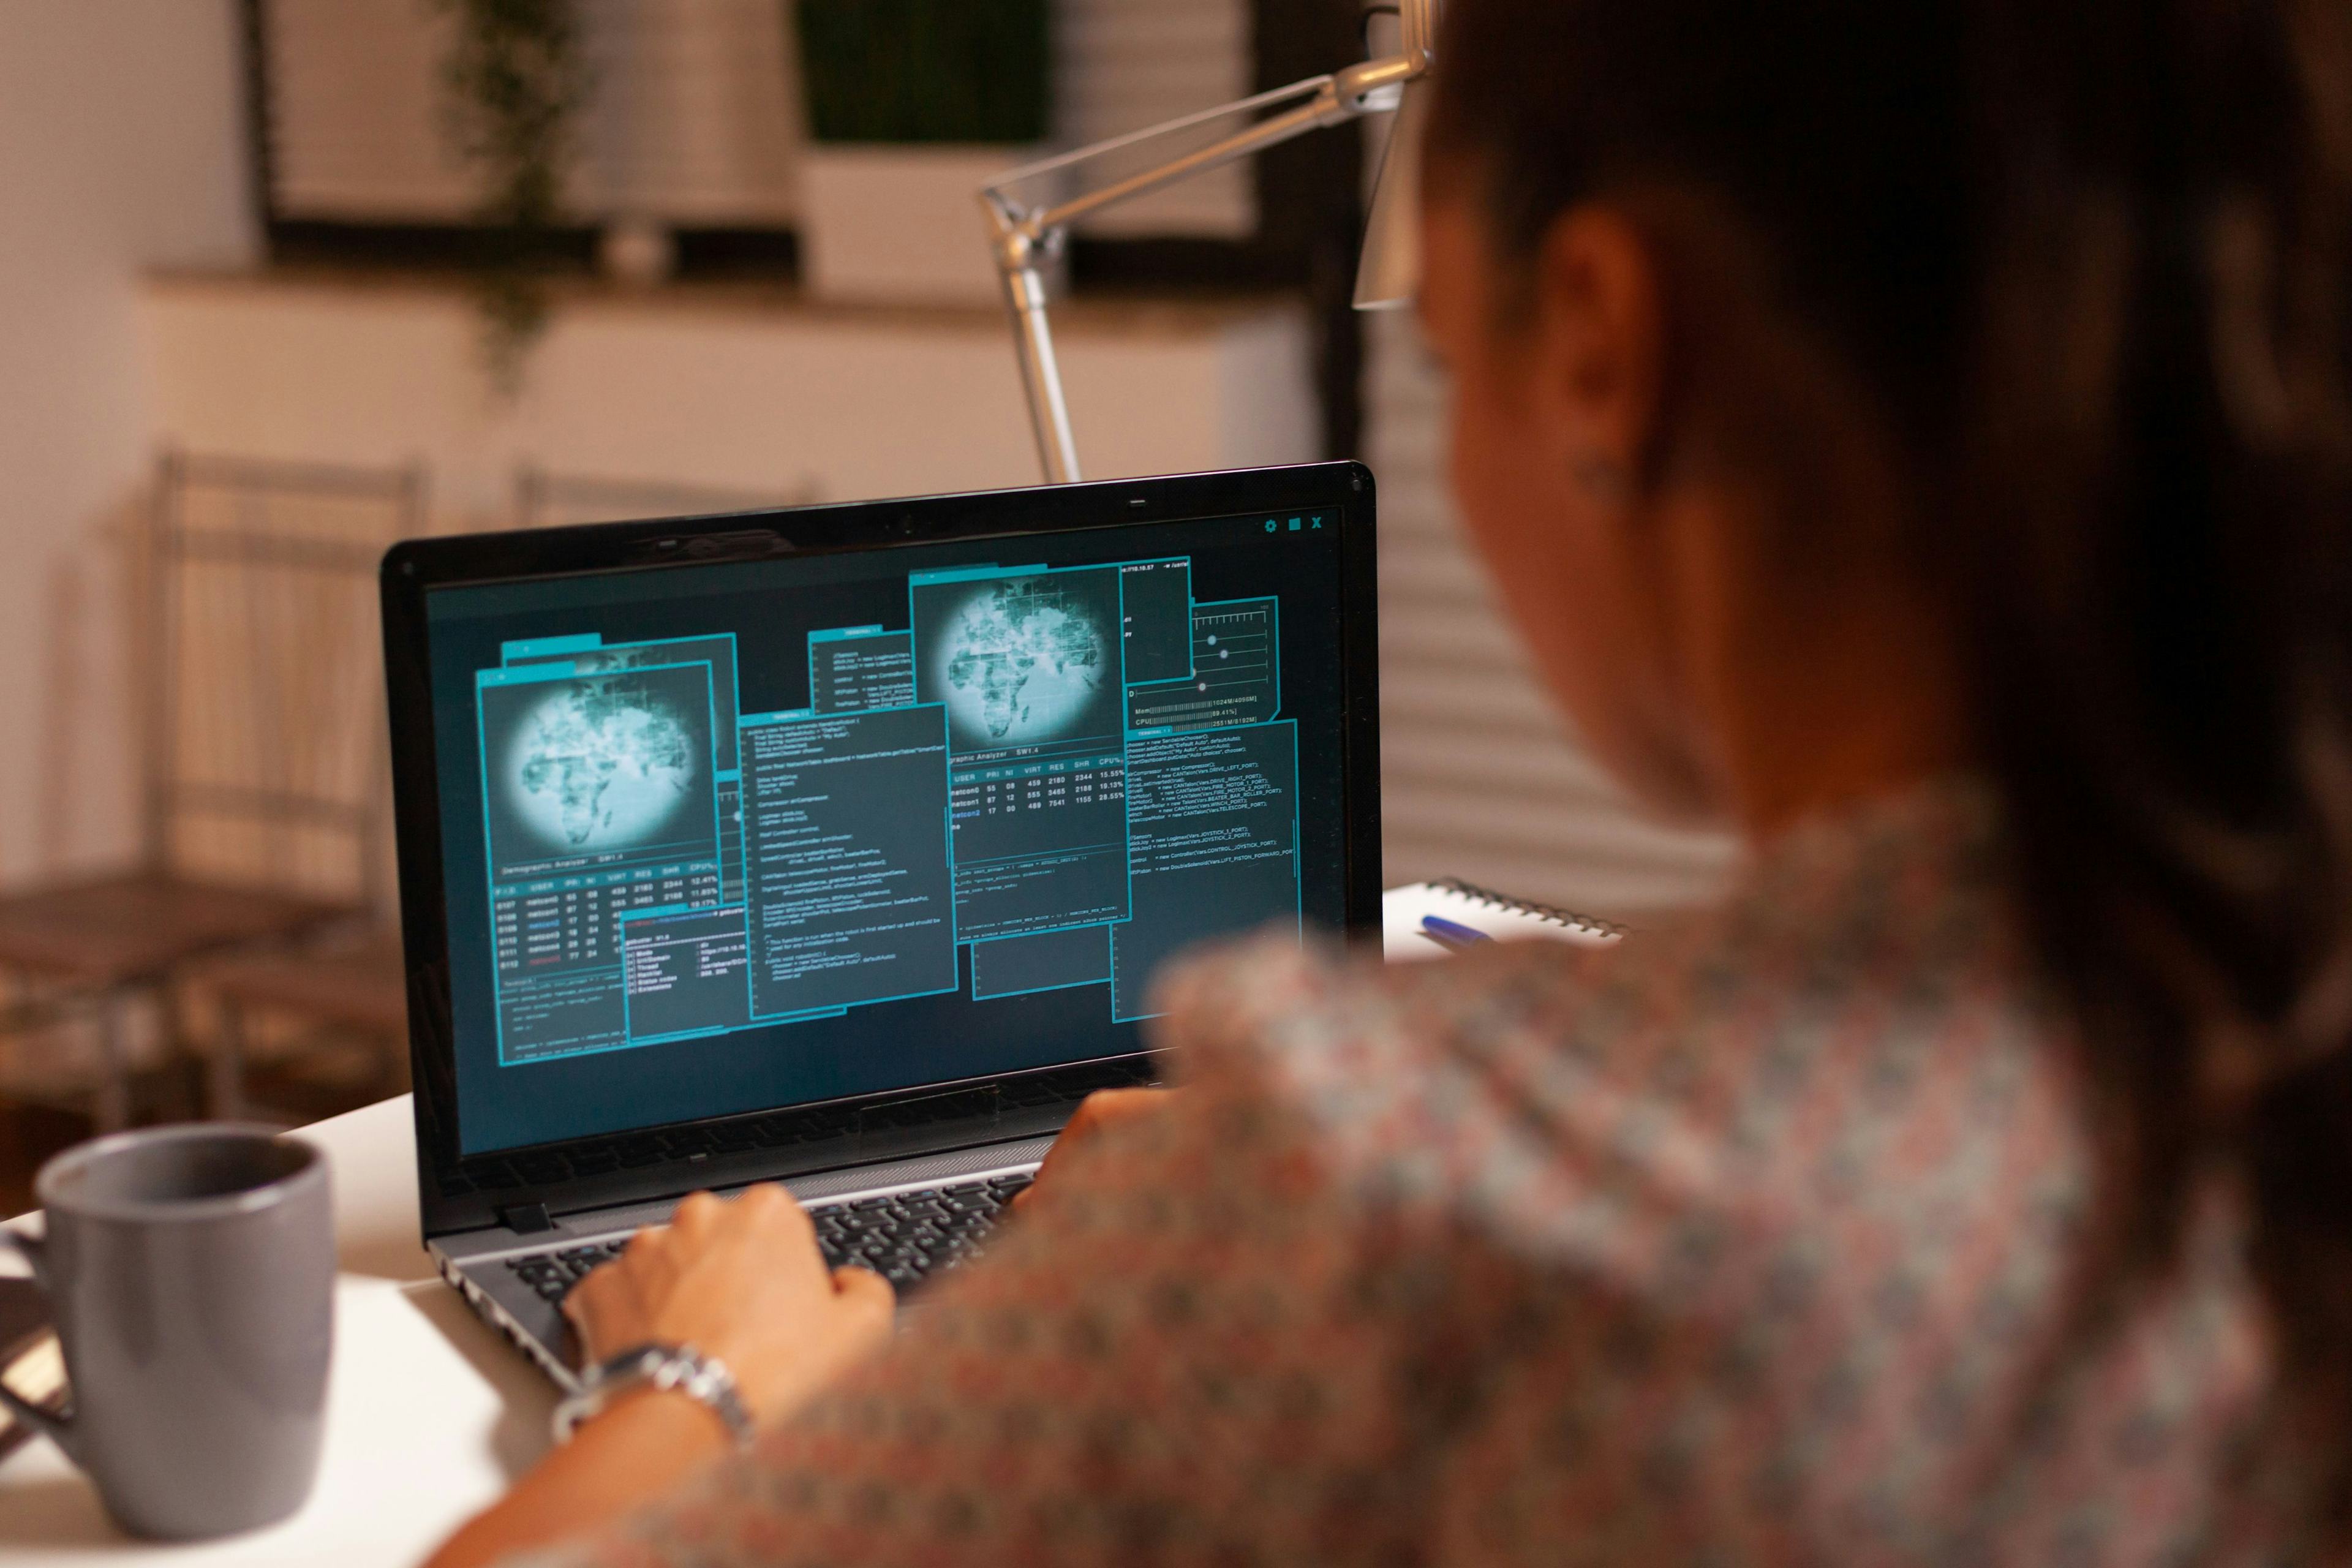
(730, 837)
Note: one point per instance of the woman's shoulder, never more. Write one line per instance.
(1856, 1008)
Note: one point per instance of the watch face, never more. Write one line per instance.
(639, 1361)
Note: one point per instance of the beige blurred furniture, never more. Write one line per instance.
(547, 500)
(345, 993)
(343, 996)
(266, 811)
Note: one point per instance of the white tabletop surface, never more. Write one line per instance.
(429, 1412)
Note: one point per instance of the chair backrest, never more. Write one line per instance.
(267, 751)
(546, 499)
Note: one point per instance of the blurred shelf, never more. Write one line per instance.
(739, 385)
(1123, 312)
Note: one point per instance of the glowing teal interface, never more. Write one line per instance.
(1041, 778)
(732, 836)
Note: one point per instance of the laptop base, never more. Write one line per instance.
(478, 1264)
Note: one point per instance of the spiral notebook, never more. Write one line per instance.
(1497, 915)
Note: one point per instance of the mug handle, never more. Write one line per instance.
(58, 1428)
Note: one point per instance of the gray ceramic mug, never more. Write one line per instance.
(191, 1273)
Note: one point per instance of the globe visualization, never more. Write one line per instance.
(1020, 661)
(601, 766)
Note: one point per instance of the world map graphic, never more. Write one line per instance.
(602, 764)
(1022, 660)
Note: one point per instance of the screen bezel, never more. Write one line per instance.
(452, 1202)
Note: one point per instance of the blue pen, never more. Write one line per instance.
(1451, 933)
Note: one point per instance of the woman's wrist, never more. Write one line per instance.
(673, 1410)
(771, 1396)
(660, 1366)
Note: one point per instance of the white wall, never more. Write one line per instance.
(121, 146)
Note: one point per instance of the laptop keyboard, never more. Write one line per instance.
(906, 1237)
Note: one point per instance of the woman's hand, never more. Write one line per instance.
(1098, 1110)
(741, 1280)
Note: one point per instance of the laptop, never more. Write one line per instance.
(841, 846)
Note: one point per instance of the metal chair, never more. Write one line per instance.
(265, 789)
(348, 987)
(549, 499)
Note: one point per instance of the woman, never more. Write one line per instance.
(1918, 433)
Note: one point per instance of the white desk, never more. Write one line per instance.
(429, 1412)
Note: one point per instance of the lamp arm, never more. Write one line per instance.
(1321, 108)
(1272, 99)
(1027, 241)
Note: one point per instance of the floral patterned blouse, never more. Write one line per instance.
(1756, 1239)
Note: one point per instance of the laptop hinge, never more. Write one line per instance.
(527, 1219)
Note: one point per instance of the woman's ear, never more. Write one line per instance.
(1599, 348)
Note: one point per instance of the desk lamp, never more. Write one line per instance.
(1027, 239)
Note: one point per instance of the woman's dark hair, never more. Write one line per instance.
(2094, 259)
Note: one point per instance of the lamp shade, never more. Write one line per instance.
(1389, 274)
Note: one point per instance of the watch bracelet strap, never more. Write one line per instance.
(681, 1369)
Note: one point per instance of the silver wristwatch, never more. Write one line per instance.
(683, 1368)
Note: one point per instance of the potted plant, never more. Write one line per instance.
(913, 106)
(515, 81)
